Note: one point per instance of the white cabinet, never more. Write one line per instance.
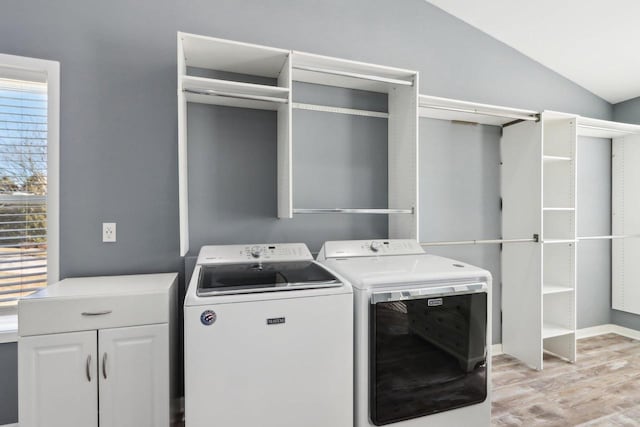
(133, 380)
(58, 380)
(98, 351)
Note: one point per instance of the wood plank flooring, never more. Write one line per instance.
(601, 389)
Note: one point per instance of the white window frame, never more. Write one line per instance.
(24, 68)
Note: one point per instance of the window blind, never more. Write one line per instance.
(23, 188)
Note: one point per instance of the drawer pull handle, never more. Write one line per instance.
(96, 313)
(104, 366)
(89, 368)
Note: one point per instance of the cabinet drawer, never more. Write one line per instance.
(55, 315)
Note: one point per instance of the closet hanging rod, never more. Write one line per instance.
(479, 242)
(339, 110)
(526, 117)
(353, 211)
(211, 92)
(354, 75)
(624, 236)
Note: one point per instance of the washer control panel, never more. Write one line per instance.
(229, 254)
(383, 247)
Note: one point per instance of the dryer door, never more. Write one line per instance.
(428, 353)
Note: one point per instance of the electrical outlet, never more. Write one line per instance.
(108, 231)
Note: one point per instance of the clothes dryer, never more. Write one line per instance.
(422, 334)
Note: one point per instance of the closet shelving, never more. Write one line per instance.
(539, 284)
(401, 87)
(538, 175)
(454, 110)
(222, 72)
(539, 281)
(232, 67)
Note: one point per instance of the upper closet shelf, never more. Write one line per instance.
(233, 94)
(323, 70)
(232, 56)
(452, 109)
(595, 127)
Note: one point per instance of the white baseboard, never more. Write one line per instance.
(608, 329)
(496, 349)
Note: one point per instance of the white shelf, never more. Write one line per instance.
(556, 158)
(323, 70)
(452, 109)
(595, 127)
(233, 94)
(555, 289)
(605, 129)
(232, 56)
(549, 330)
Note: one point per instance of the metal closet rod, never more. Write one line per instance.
(479, 242)
(622, 236)
(354, 211)
(526, 117)
(339, 110)
(535, 239)
(211, 92)
(354, 75)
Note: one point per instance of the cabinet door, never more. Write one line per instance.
(134, 376)
(58, 380)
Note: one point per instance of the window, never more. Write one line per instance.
(28, 176)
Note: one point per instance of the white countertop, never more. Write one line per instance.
(106, 285)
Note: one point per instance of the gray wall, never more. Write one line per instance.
(118, 113)
(460, 195)
(628, 112)
(594, 219)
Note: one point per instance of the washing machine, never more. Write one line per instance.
(268, 340)
(422, 334)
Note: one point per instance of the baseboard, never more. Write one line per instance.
(9, 425)
(608, 329)
(594, 331)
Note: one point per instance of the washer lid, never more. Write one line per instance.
(227, 279)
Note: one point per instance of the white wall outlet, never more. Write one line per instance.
(108, 231)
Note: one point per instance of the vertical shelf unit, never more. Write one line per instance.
(233, 62)
(539, 197)
(559, 192)
(401, 87)
(539, 193)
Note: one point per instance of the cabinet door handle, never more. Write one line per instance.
(96, 313)
(89, 368)
(104, 366)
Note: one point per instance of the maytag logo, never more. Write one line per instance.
(276, 321)
(434, 302)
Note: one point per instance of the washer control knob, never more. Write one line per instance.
(375, 246)
(256, 251)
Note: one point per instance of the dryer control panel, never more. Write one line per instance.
(382, 247)
(232, 254)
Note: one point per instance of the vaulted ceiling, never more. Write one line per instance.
(594, 43)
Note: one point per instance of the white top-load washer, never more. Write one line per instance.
(268, 340)
(422, 334)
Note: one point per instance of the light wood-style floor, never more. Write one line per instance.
(601, 389)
